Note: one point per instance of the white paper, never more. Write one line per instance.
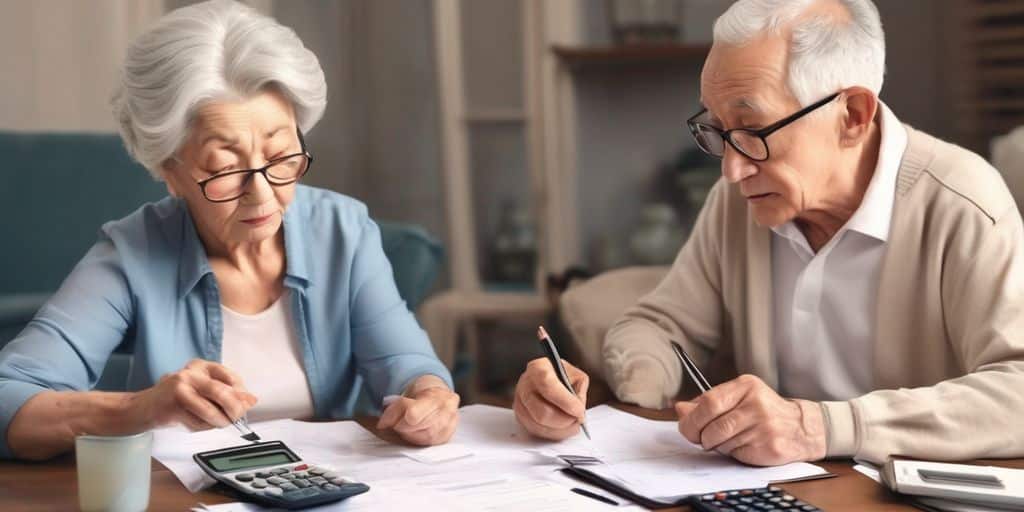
(386, 495)
(438, 454)
(458, 492)
(655, 459)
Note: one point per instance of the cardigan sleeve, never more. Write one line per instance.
(686, 306)
(976, 415)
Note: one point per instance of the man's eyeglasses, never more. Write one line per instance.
(749, 143)
(230, 185)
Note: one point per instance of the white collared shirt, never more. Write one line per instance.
(824, 304)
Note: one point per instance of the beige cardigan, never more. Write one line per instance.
(949, 343)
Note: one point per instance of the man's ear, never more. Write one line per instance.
(859, 107)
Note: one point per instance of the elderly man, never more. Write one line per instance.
(865, 278)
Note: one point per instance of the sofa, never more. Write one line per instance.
(57, 189)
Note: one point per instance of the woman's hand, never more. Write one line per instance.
(426, 416)
(201, 395)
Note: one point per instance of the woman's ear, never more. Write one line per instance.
(167, 174)
(859, 108)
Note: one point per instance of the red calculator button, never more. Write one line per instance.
(301, 467)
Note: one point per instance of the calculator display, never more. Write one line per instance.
(249, 460)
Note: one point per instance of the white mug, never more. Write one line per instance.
(114, 472)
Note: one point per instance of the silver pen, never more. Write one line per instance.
(690, 368)
(552, 354)
(242, 424)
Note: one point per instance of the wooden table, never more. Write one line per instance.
(53, 485)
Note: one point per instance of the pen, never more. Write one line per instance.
(243, 427)
(594, 495)
(691, 369)
(552, 354)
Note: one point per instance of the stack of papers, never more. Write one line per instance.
(491, 453)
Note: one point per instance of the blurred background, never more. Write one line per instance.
(537, 142)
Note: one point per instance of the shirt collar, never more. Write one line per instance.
(874, 214)
(194, 264)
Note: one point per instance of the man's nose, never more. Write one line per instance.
(735, 166)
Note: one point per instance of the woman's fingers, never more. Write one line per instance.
(393, 413)
(427, 420)
(191, 401)
(233, 403)
(438, 429)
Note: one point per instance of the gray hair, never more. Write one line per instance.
(216, 50)
(826, 53)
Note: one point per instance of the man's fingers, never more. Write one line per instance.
(547, 414)
(683, 410)
(714, 403)
(744, 438)
(539, 429)
(555, 393)
(725, 427)
(580, 381)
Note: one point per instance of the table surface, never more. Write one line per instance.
(53, 485)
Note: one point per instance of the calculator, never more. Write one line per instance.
(750, 500)
(270, 473)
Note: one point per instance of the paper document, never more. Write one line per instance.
(438, 454)
(456, 493)
(650, 457)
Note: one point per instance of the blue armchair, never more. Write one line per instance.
(56, 191)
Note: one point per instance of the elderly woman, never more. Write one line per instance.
(244, 292)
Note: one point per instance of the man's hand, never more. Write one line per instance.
(542, 404)
(747, 420)
(428, 414)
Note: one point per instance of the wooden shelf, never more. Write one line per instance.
(577, 56)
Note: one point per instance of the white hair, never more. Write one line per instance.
(827, 52)
(212, 51)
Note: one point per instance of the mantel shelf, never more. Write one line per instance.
(579, 56)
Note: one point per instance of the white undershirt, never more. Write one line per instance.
(824, 303)
(264, 350)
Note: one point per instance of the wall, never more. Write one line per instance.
(378, 140)
(61, 60)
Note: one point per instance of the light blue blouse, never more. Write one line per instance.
(148, 280)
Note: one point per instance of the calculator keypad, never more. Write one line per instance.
(752, 500)
(295, 483)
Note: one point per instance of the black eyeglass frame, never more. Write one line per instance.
(761, 133)
(262, 170)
